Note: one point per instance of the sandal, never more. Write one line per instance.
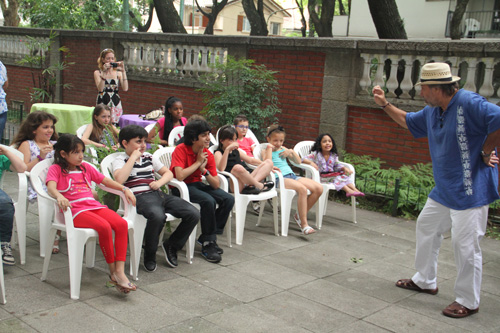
(456, 310)
(410, 285)
(128, 286)
(307, 230)
(267, 186)
(250, 189)
(55, 248)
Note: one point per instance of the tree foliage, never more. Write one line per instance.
(240, 87)
(388, 22)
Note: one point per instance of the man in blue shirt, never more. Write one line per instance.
(462, 129)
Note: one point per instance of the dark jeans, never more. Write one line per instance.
(212, 220)
(6, 217)
(153, 206)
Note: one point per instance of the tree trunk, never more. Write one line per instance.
(255, 15)
(168, 16)
(387, 21)
(303, 28)
(10, 13)
(212, 17)
(322, 21)
(456, 20)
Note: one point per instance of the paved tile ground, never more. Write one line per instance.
(269, 284)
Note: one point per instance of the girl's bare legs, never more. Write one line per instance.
(304, 202)
(245, 178)
(263, 170)
(350, 188)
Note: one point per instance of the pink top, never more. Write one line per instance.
(75, 186)
(161, 122)
(246, 145)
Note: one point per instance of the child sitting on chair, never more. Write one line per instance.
(8, 161)
(135, 169)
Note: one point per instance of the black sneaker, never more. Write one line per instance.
(150, 266)
(209, 252)
(219, 250)
(170, 254)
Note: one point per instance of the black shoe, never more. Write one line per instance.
(209, 252)
(170, 254)
(267, 186)
(150, 266)
(219, 250)
(250, 189)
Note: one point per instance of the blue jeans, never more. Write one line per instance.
(6, 217)
(212, 220)
(3, 121)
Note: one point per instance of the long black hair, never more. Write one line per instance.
(169, 122)
(317, 144)
(69, 143)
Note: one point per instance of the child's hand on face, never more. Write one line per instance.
(136, 154)
(233, 146)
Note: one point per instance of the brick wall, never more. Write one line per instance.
(20, 79)
(300, 79)
(372, 132)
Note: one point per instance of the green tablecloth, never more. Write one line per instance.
(69, 116)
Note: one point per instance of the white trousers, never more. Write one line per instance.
(467, 229)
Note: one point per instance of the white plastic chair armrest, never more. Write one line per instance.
(181, 186)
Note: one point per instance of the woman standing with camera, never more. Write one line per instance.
(108, 78)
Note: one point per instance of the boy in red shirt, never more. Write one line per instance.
(190, 161)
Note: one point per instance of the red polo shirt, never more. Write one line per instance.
(183, 156)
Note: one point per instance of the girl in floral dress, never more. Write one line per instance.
(324, 158)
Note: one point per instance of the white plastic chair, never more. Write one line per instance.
(471, 27)
(287, 195)
(241, 202)
(165, 156)
(77, 238)
(150, 127)
(303, 148)
(139, 220)
(2, 287)
(20, 205)
(81, 130)
(175, 134)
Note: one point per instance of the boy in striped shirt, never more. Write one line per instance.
(135, 169)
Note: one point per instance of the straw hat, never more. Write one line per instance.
(436, 73)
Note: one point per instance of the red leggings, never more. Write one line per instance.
(105, 221)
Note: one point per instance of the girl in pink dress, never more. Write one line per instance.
(68, 181)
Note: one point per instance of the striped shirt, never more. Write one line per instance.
(142, 173)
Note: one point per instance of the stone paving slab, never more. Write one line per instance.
(339, 280)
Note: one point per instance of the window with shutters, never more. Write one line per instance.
(275, 28)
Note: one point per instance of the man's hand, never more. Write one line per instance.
(491, 160)
(379, 96)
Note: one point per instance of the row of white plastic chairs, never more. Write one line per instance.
(137, 222)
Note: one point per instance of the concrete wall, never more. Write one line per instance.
(318, 77)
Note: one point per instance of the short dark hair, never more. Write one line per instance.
(226, 132)
(130, 132)
(193, 129)
(447, 89)
(239, 118)
(275, 128)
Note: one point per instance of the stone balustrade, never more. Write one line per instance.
(399, 73)
(171, 60)
(14, 47)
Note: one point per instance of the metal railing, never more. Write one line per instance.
(15, 116)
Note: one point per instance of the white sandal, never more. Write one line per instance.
(55, 248)
(305, 231)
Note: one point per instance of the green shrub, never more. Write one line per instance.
(240, 87)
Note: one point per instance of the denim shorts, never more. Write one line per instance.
(289, 176)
